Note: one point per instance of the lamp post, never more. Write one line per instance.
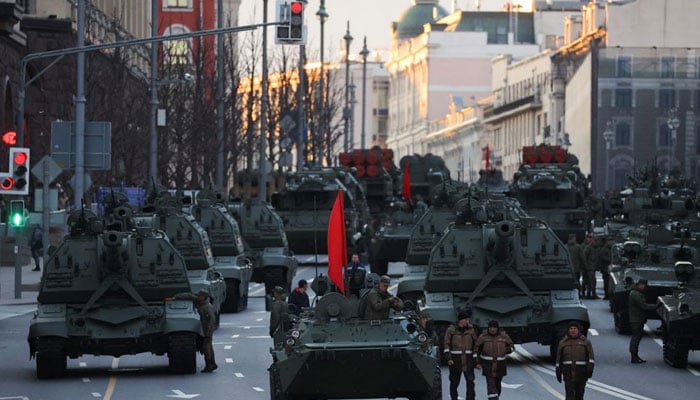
(346, 111)
(364, 53)
(322, 17)
(608, 135)
(673, 124)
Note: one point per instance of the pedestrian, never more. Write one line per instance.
(207, 317)
(36, 244)
(356, 273)
(604, 257)
(299, 297)
(492, 347)
(578, 261)
(591, 255)
(575, 362)
(460, 343)
(279, 317)
(380, 301)
(638, 308)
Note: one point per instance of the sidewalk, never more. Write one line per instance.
(30, 288)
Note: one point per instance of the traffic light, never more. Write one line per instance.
(17, 216)
(296, 20)
(16, 181)
(290, 15)
(9, 138)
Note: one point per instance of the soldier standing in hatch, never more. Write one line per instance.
(207, 317)
(575, 362)
(492, 347)
(380, 301)
(638, 308)
(460, 342)
(578, 261)
(279, 316)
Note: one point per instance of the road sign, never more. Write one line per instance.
(48, 162)
(98, 144)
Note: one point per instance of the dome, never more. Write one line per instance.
(410, 23)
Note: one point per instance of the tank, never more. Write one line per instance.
(395, 351)
(263, 231)
(375, 170)
(503, 265)
(305, 206)
(651, 254)
(227, 247)
(491, 181)
(680, 314)
(191, 240)
(103, 293)
(550, 186)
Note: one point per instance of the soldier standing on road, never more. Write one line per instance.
(380, 301)
(638, 308)
(575, 362)
(299, 297)
(279, 316)
(460, 342)
(36, 244)
(207, 317)
(492, 347)
(591, 255)
(578, 261)
(604, 256)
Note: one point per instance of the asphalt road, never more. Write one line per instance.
(242, 352)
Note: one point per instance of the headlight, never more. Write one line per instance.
(422, 337)
(290, 341)
(295, 334)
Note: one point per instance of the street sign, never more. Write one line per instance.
(48, 162)
(98, 144)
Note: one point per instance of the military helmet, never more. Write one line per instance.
(385, 279)
(278, 290)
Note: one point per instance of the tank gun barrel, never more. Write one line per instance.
(112, 242)
(501, 249)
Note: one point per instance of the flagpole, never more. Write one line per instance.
(315, 240)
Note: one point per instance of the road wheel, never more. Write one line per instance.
(50, 358)
(232, 303)
(622, 323)
(675, 355)
(182, 353)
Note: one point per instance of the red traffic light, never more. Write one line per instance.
(20, 158)
(9, 138)
(296, 7)
(7, 183)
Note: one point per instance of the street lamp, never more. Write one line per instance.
(364, 53)
(322, 17)
(673, 124)
(346, 111)
(608, 135)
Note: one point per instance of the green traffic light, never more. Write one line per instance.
(18, 220)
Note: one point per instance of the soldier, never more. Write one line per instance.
(578, 261)
(638, 308)
(575, 362)
(591, 255)
(207, 317)
(299, 297)
(279, 317)
(356, 273)
(37, 245)
(460, 341)
(604, 255)
(380, 301)
(492, 347)
(424, 320)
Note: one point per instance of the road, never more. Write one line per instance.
(242, 351)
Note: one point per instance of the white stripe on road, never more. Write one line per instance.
(258, 389)
(259, 320)
(690, 369)
(235, 336)
(229, 360)
(86, 380)
(258, 337)
(95, 394)
(227, 347)
(238, 375)
(593, 332)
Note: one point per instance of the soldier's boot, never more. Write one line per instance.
(635, 359)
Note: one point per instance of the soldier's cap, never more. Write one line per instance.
(425, 314)
(642, 281)
(493, 324)
(278, 290)
(385, 279)
(203, 292)
(574, 323)
(464, 314)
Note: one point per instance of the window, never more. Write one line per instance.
(667, 99)
(178, 4)
(664, 137)
(623, 134)
(668, 67)
(501, 35)
(623, 98)
(624, 67)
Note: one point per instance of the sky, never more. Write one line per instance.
(371, 18)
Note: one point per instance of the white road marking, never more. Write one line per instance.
(95, 394)
(258, 389)
(260, 312)
(83, 364)
(229, 360)
(238, 375)
(258, 337)
(182, 395)
(592, 332)
(235, 336)
(258, 320)
(227, 347)
(511, 385)
(86, 380)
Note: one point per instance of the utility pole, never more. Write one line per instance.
(79, 189)
(301, 118)
(262, 183)
(153, 148)
(364, 53)
(346, 111)
(220, 97)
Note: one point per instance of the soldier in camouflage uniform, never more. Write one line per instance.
(638, 308)
(279, 316)
(578, 261)
(591, 254)
(207, 317)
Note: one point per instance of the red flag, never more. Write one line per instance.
(406, 191)
(337, 250)
(488, 161)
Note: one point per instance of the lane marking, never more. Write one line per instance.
(112, 380)
(259, 337)
(95, 394)
(229, 360)
(257, 389)
(259, 320)
(593, 332)
(235, 336)
(238, 375)
(227, 347)
(86, 380)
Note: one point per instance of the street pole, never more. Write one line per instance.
(262, 183)
(346, 111)
(301, 117)
(153, 147)
(608, 137)
(364, 53)
(220, 98)
(80, 112)
(322, 17)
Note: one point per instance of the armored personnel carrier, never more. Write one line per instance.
(651, 253)
(227, 247)
(550, 186)
(103, 292)
(305, 206)
(680, 316)
(506, 266)
(190, 239)
(263, 231)
(331, 353)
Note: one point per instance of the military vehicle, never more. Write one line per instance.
(491, 181)
(369, 359)
(227, 247)
(503, 265)
(550, 186)
(375, 170)
(263, 231)
(103, 292)
(305, 206)
(190, 239)
(680, 316)
(651, 254)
